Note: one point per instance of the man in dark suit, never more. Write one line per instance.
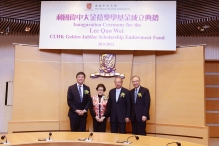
(118, 107)
(140, 105)
(78, 101)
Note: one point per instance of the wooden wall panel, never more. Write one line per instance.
(36, 85)
(180, 87)
(7, 52)
(211, 66)
(212, 105)
(28, 53)
(212, 118)
(212, 79)
(212, 96)
(212, 92)
(71, 64)
(213, 131)
(29, 95)
(29, 126)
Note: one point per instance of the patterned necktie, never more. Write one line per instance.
(79, 89)
(136, 93)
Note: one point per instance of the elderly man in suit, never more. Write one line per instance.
(118, 107)
(140, 105)
(78, 99)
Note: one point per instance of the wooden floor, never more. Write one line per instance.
(213, 141)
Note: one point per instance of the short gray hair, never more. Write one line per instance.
(137, 77)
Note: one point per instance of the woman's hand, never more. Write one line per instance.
(101, 120)
(97, 118)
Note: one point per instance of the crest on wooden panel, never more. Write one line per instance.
(107, 67)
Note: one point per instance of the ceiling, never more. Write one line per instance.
(193, 18)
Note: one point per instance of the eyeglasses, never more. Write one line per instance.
(99, 89)
(118, 82)
(135, 81)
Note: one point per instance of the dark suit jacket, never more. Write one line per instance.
(142, 105)
(121, 108)
(74, 102)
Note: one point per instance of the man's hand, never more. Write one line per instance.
(126, 120)
(83, 111)
(79, 112)
(144, 118)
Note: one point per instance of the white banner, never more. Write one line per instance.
(108, 25)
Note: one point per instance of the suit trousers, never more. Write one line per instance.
(117, 127)
(138, 128)
(78, 124)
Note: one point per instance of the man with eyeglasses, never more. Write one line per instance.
(118, 107)
(140, 105)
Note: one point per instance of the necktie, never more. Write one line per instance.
(79, 89)
(136, 93)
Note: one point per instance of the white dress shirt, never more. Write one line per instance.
(117, 93)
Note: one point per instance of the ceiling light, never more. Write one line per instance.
(27, 29)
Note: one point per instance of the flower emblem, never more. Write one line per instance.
(105, 98)
(86, 92)
(139, 95)
(122, 94)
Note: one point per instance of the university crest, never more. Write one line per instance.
(107, 67)
(89, 6)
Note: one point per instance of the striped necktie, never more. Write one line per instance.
(79, 89)
(136, 93)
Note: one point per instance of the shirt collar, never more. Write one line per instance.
(80, 85)
(138, 88)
